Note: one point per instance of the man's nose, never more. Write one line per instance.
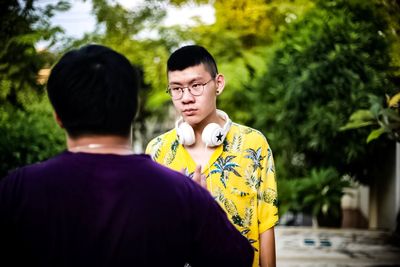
(186, 95)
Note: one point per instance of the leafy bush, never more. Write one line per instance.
(318, 194)
(28, 136)
(28, 132)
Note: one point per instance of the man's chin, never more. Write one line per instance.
(192, 120)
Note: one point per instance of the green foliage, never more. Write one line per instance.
(322, 191)
(289, 196)
(325, 65)
(22, 25)
(318, 194)
(127, 31)
(240, 40)
(387, 118)
(234, 39)
(27, 129)
(390, 10)
(28, 136)
(295, 69)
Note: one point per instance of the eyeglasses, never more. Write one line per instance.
(196, 89)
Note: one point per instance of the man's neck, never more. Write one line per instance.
(100, 145)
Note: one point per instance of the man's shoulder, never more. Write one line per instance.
(17, 177)
(247, 133)
(171, 134)
(160, 141)
(31, 167)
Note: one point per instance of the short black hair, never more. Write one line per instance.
(94, 91)
(192, 55)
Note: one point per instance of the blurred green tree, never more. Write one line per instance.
(23, 24)
(241, 41)
(387, 118)
(323, 68)
(28, 132)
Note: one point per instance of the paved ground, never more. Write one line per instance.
(306, 246)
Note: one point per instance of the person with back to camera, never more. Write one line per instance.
(232, 161)
(98, 204)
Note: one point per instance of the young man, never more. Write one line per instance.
(232, 161)
(98, 204)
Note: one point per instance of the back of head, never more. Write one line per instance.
(192, 55)
(94, 92)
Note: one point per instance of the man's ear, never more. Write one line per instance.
(58, 120)
(220, 80)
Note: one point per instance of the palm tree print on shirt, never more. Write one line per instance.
(251, 180)
(255, 157)
(235, 145)
(243, 222)
(224, 166)
(169, 158)
(156, 147)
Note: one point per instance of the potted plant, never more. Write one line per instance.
(321, 194)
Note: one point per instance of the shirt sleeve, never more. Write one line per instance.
(156, 147)
(216, 241)
(267, 192)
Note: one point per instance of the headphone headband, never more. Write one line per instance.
(228, 121)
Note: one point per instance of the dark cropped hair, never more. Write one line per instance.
(94, 92)
(192, 55)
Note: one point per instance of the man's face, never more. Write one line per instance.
(196, 110)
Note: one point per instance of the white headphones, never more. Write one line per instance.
(212, 135)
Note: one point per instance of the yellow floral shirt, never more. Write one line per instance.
(240, 176)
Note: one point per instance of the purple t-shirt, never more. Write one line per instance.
(81, 209)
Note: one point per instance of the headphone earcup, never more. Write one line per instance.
(212, 135)
(185, 134)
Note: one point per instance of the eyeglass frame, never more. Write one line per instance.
(182, 89)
